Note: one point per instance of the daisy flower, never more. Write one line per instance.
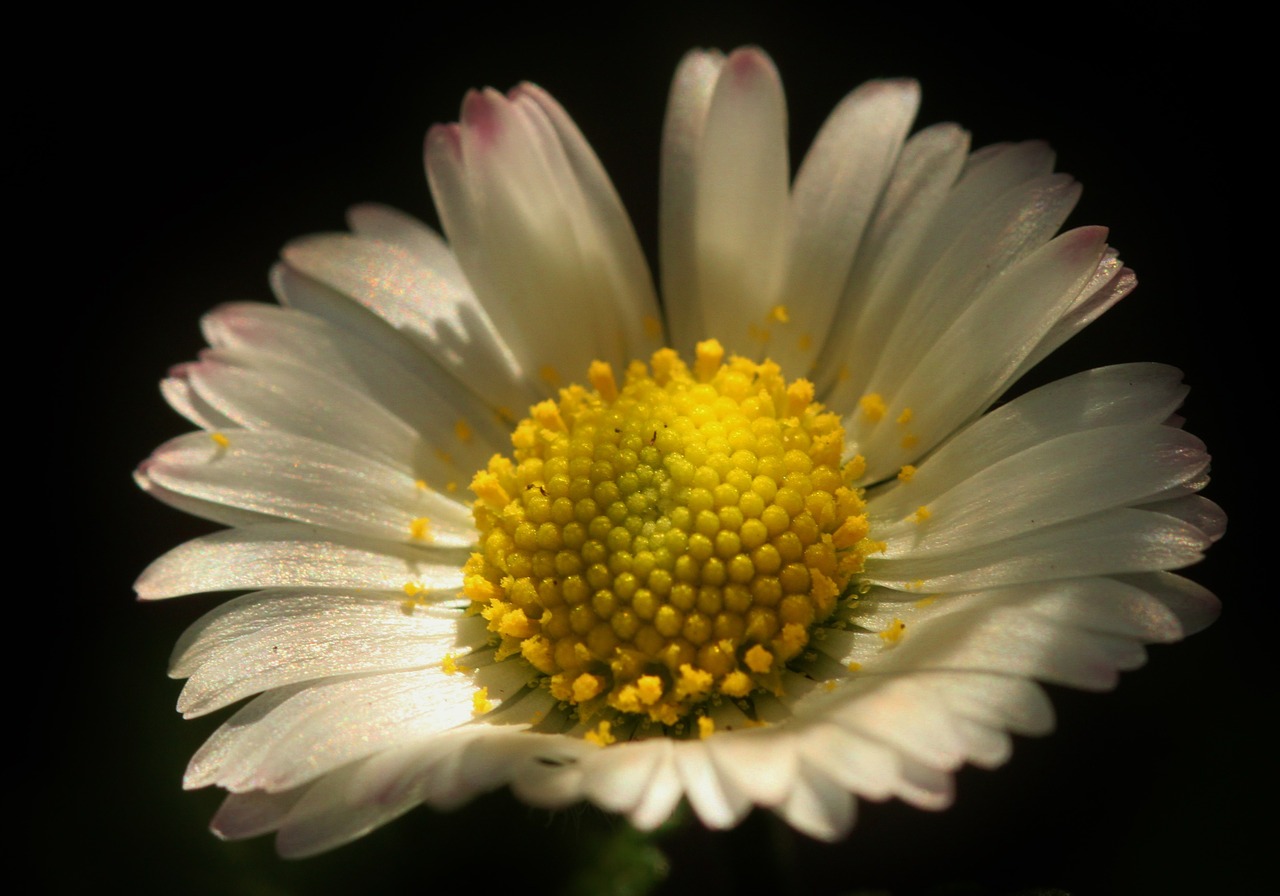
(505, 518)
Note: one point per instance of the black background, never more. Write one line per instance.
(180, 158)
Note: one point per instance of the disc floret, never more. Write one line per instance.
(653, 546)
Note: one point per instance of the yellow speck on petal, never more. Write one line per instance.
(600, 375)
(549, 375)
(917, 585)
(759, 660)
(854, 667)
(778, 314)
(413, 589)
(799, 396)
(462, 429)
(873, 407)
(708, 355)
(421, 485)
(449, 665)
(805, 342)
(829, 685)
(419, 528)
(706, 727)
(504, 415)
(219, 439)
(910, 440)
(893, 634)
(905, 417)
(451, 486)
(922, 513)
(652, 326)
(925, 601)
(601, 735)
(907, 473)
(842, 372)
(480, 702)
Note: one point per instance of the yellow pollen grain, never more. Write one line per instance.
(413, 589)
(910, 440)
(462, 429)
(708, 356)
(905, 417)
(855, 468)
(601, 735)
(799, 397)
(706, 727)
(547, 415)
(925, 601)
(779, 314)
(805, 342)
(421, 485)
(549, 375)
(488, 488)
(759, 660)
(600, 375)
(893, 634)
(922, 513)
(219, 439)
(737, 684)
(449, 665)
(451, 486)
(480, 702)
(419, 528)
(917, 585)
(854, 667)
(649, 688)
(907, 473)
(586, 686)
(873, 407)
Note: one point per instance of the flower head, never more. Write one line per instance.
(506, 519)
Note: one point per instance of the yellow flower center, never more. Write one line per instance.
(653, 546)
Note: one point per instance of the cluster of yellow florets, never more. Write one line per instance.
(652, 546)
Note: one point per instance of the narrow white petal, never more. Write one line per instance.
(250, 814)
(1117, 541)
(448, 321)
(616, 779)
(934, 370)
(816, 808)
(1107, 396)
(836, 190)
(272, 639)
(308, 482)
(741, 222)
(1068, 477)
(690, 98)
(717, 803)
(287, 555)
(660, 798)
(927, 167)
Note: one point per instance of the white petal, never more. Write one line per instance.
(717, 803)
(740, 221)
(1116, 541)
(1068, 477)
(272, 639)
(1107, 396)
(836, 190)
(286, 555)
(306, 481)
(691, 90)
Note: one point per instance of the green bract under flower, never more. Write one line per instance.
(652, 546)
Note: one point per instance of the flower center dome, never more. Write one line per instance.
(653, 546)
